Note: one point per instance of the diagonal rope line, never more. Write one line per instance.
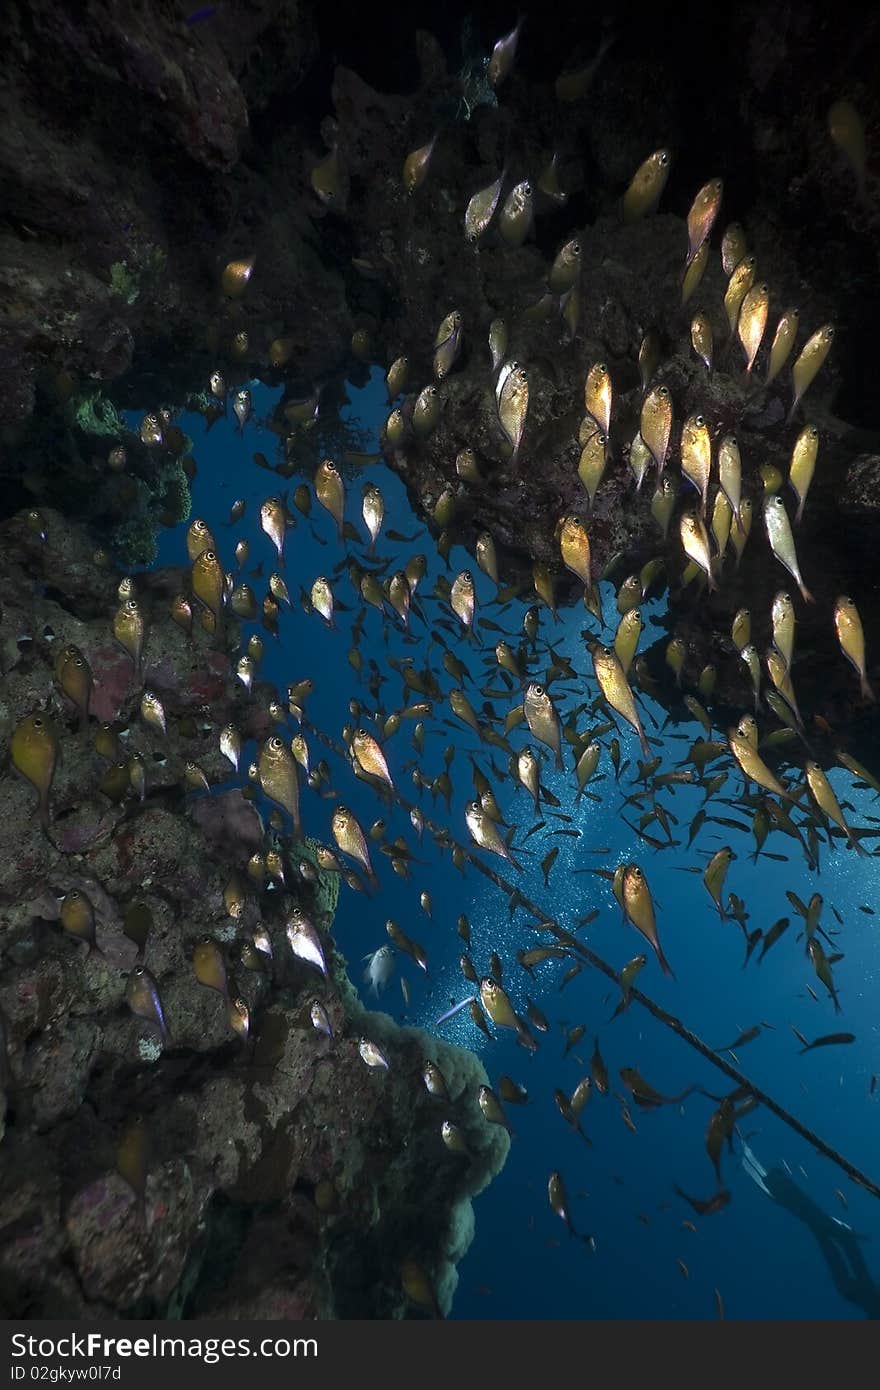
(663, 1017)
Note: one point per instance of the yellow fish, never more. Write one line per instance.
(616, 690)
(752, 321)
(702, 215)
(808, 363)
(851, 637)
(646, 185)
(34, 750)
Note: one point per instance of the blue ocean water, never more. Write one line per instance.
(782, 1256)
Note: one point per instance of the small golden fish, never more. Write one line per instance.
(397, 377)
(574, 545)
(696, 545)
(721, 520)
(373, 510)
(273, 520)
(783, 622)
(199, 539)
(616, 690)
(372, 1055)
(181, 613)
(783, 342)
(513, 407)
(548, 181)
(416, 166)
(696, 455)
(426, 412)
(639, 908)
(646, 185)
(741, 280)
(803, 463)
(851, 637)
(823, 795)
(663, 503)
(808, 363)
(321, 597)
(752, 321)
(500, 63)
(77, 917)
(447, 344)
(733, 248)
(128, 629)
(330, 492)
(626, 639)
(304, 940)
(481, 209)
(484, 832)
(694, 273)
(370, 756)
(153, 711)
(655, 423)
(73, 675)
(208, 581)
(142, 997)
(276, 768)
(236, 277)
(350, 838)
(591, 466)
(566, 267)
(209, 966)
(34, 749)
(741, 628)
(730, 474)
(701, 339)
(752, 765)
(517, 214)
(487, 559)
(598, 395)
(702, 215)
(543, 720)
(462, 597)
(782, 542)
(741, 528)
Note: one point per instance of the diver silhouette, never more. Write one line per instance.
(838, 1242)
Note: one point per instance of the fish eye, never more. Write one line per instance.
(829, 331)
(38, 723)
(664, 157)
(210, 556)
(601, 367)
(274, 743)
(663, 391)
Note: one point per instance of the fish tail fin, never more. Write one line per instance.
(643, 743)
(790, 416)
(805, 593)
(800, 511)
(867, 692)
(664, 964)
